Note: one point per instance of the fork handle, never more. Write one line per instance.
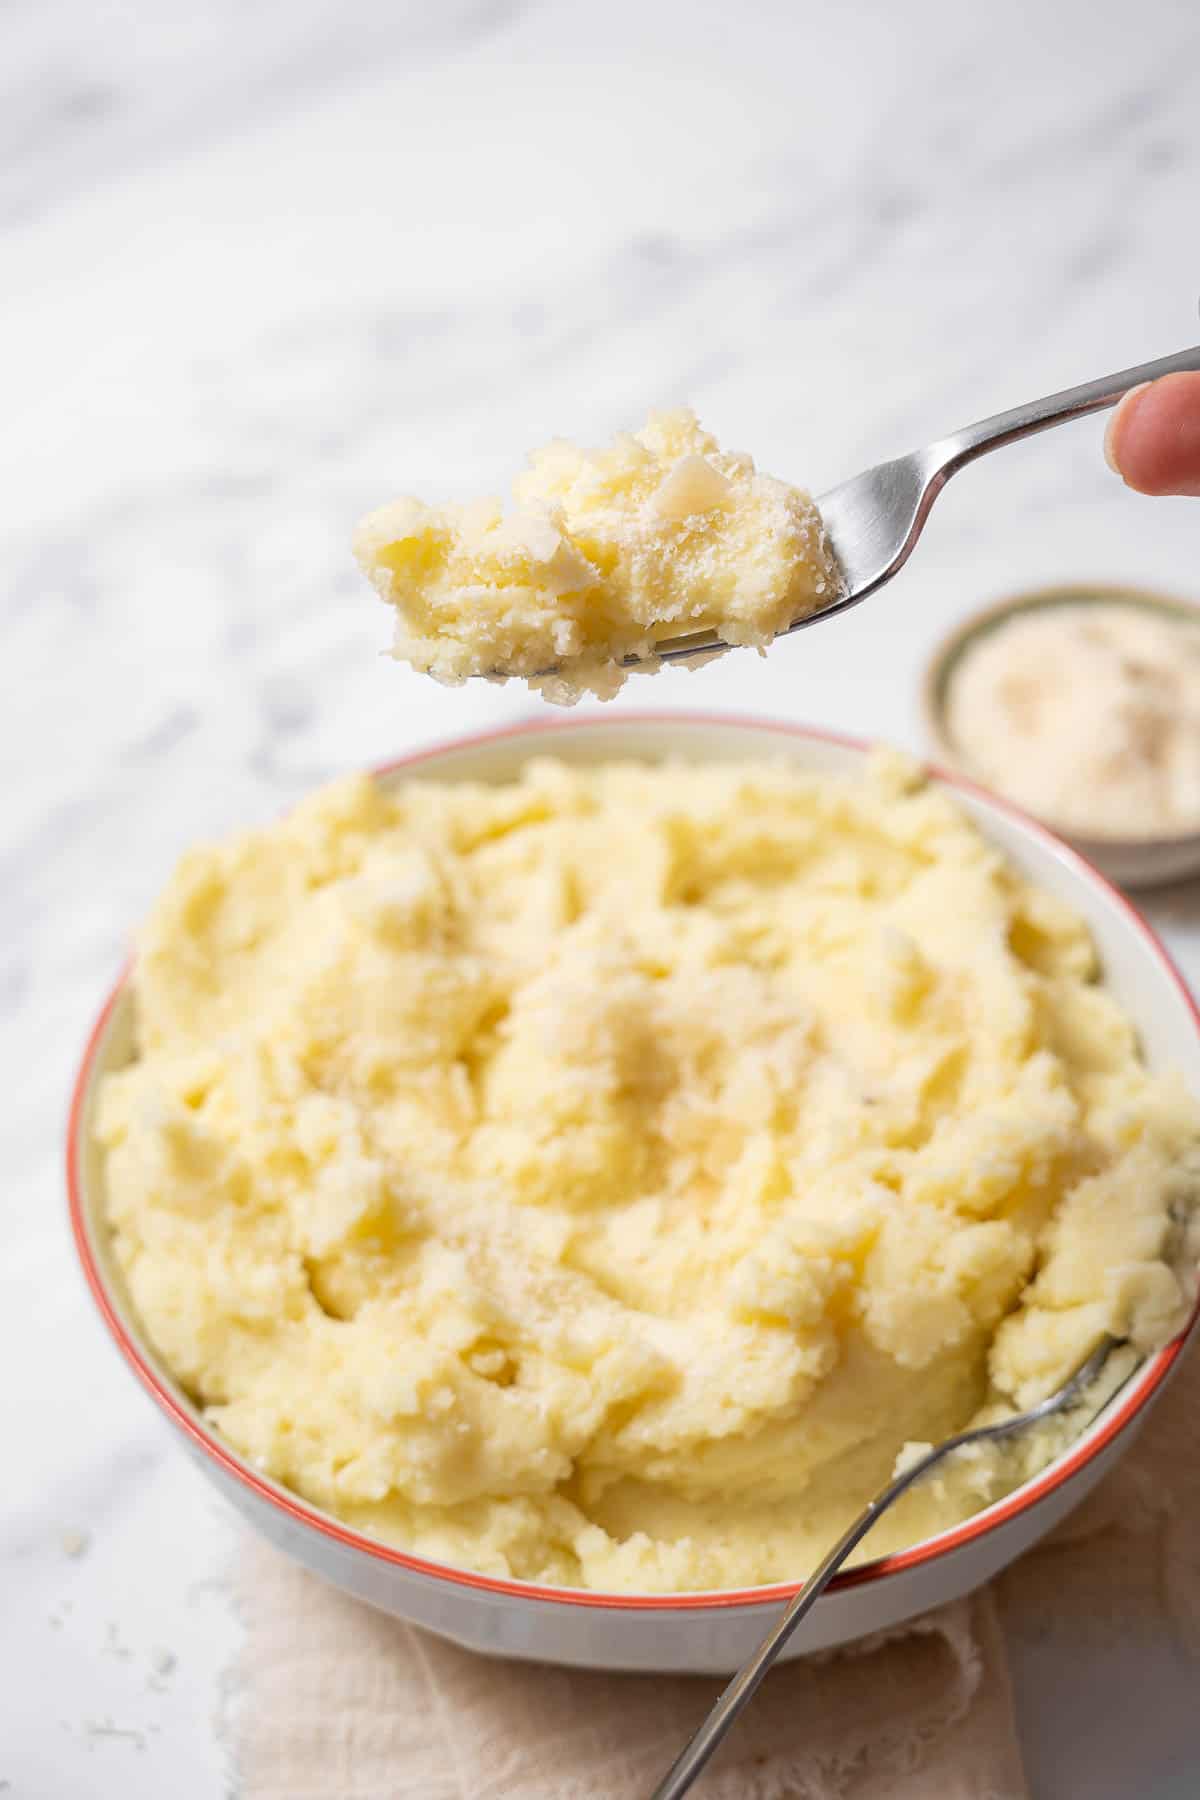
(961, 447)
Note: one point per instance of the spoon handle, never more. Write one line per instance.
(744, 1685)
(746, 1682)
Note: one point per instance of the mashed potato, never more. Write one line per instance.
(608, 552)
(601, 1178)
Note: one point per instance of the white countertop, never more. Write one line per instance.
(264, 267)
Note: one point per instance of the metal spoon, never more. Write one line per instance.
(744, 1685)
(873, 521)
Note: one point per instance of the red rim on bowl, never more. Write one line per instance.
(1039, 1488)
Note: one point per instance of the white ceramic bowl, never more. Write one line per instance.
(696, 1632)
(1133, 862)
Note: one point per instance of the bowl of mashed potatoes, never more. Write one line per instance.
(550, 1184)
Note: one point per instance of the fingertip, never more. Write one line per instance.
(1116, 424)
(1153, 438)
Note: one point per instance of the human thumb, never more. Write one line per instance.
(1153, 438)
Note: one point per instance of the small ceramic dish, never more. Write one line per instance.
(1132, 862)
(689, 1632)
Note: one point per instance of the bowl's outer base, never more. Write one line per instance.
(666, 1641)
(1148, 865)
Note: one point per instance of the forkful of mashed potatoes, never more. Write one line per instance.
(663, 547)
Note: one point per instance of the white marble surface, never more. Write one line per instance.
(261, 267)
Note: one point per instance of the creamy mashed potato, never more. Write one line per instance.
(607, 553)
(601, 1178)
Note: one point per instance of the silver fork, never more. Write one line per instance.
(873, 521)
(696, 1754)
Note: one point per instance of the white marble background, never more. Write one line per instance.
(260, 267)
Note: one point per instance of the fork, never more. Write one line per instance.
(873, 520)
(740, 1691)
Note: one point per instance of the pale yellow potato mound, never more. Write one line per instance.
(600, 1179)
(607, 553)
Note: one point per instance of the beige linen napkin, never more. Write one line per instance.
(340, 1703)
(1126, 1564)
